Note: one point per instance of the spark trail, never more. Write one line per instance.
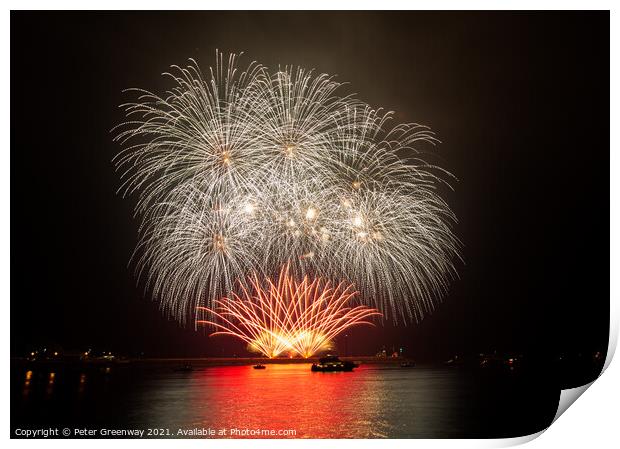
(243, 171)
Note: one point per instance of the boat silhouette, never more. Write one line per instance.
(331, 363)
(185, 368)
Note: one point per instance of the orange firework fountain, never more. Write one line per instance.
(287, 317)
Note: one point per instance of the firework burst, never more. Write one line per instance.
(288, 316)
(239, 172)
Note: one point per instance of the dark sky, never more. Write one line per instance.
(519, 100)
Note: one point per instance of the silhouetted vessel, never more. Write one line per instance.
(185, 368)
(259, 366)
(333, 363)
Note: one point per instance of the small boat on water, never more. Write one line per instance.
(260, 366)
(185, 368)
(332, 363)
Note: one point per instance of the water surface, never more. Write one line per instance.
(374, 401)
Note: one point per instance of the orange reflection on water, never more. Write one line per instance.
(26, 389)
(283, 397)
(50, 384)
(82, 383)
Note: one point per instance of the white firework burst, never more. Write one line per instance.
(238, 173)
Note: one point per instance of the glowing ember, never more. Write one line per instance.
(289, 316)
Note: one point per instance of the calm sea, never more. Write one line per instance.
(289, 400)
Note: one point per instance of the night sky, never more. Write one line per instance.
(519, 100)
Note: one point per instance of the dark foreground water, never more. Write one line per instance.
(371, 402)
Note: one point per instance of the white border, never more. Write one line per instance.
(593, 422)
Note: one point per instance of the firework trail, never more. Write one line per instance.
(239, 172)
(288, 316)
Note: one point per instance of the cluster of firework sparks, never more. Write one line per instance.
(288, 316)
(238, 174)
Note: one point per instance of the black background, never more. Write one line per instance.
(520, 101)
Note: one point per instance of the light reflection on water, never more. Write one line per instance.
(374, 401)
(368, 403)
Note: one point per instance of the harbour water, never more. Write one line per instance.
(284, 400)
